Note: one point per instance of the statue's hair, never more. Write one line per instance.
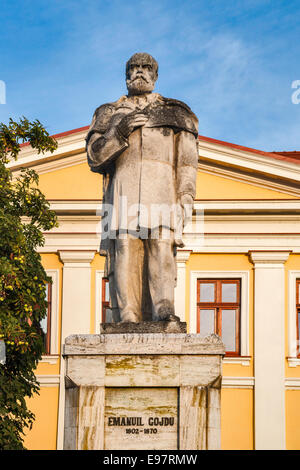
(144, 56)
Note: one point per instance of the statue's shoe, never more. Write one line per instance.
(172, 317)
(166, 312)
(129, 317)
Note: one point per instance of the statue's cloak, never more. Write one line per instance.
(162, 113)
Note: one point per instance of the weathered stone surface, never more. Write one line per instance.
(71, 418)
(199, 370)
(143, 327)
(86, 370)
(91, 418)
(146, 343)
(156, 418)
(145, 146)
(193, 418)
(117, 375)
(142, 371)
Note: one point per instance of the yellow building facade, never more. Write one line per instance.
(245, 236)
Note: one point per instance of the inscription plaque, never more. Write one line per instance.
(141, 418)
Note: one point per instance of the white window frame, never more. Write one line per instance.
(98, 299)
(244, 359)
(293, 360)
(54, 332)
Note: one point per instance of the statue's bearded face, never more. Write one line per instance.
(141, 74)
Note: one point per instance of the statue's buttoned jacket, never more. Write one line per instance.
(145, 173)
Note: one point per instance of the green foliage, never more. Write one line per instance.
(24, 214)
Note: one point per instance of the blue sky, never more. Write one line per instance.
(233, 62)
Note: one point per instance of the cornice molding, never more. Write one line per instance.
(247, 205)
(71, 151)
(50, 359)
(243, 361)
(229, 207)
(293, 361)
(67, 146)
(212, 242)
(76, 258)
(248, 160)
(269, 257)
(292, 383)
(48, 380)
(246, 178)
(238, 382)
(182, 256)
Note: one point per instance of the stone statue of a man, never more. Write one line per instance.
(145, 147)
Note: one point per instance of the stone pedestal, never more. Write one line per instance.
(143, 391)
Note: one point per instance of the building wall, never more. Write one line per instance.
(292, 419)
(238, 393)
(237, 431)
(43, 435)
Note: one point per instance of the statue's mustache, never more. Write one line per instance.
(139, 77)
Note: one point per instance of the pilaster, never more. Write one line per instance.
(180, 294)
(76, 295)
(269, 348)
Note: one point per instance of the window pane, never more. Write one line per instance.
(44, 324)
(207, 292)
(229, 292)
(44, 321)
(207, 322)
(106, 291)
(228, 329)
(298, 331)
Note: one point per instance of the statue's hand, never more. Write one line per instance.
(186, 199)
(130, 122)
(186, 202)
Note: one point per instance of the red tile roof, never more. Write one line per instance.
(276, 155)
(295, 155)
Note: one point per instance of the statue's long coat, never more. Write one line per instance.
(155, 165)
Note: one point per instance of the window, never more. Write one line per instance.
(298, 315)
(46, 322)
(218, 311)
(106, 310)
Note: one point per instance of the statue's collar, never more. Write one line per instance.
(138, 101)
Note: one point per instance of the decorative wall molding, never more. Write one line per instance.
(269, 259)
(76, 258)
(51, 359)
(211, 242)
(292, 383)
(68, 145)
(54, 165)
(293, 361)
(238, 382)
(72, 144)
(249, 206)
(211, 151)
(48, 380)
(243, 361)
(246, 178)
(183, 256)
